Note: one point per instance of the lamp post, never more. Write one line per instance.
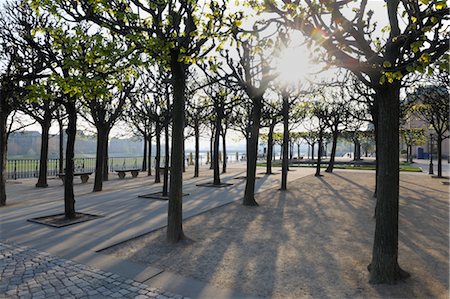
(431, 155)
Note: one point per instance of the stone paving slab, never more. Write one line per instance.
(29, 273)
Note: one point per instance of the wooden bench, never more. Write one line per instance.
(122, 172)
(83, 175)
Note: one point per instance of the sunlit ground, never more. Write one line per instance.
(313, 241)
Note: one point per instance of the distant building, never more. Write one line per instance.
(422, 151)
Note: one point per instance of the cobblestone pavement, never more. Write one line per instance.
(28, 273)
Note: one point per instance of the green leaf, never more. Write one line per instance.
(386, 64)
(441, 5)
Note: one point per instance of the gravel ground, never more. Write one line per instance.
(313, 241)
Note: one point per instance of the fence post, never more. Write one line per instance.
(15, 169)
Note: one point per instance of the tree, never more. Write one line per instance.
(412, 136)
(380, 63)
(143, 115)
(196, 116)
(288, 96)
(251, 72)
(175, 33)
(43, 111)
(430, 103)
(319, 112)
(222, 100)
(104, 111)
(311, 138)
(106, 64)
(60, 117)
(271, 116)
(20, 65)
(361, 94)
(336, 116)
(67, 54)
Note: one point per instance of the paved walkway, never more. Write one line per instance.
(125, 216)
(29, 273)
(424, 165)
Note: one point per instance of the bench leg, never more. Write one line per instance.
(62, 179)
(84, 178)
(121, 175)
(134, 173)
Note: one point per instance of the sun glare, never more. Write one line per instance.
(294, 65)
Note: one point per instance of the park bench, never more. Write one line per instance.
(162, 169)
(83, 175)
(122, 172)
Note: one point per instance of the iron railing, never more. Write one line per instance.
(29, 168)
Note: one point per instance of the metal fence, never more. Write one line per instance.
(29, 168)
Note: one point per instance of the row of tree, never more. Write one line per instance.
(97, 55)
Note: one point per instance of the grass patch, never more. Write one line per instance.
(403, 167)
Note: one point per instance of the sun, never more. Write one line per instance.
(293, 65)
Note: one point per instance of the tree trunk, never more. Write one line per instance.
(309, 146)
(149, 172)
(61, 146)
(100, 158)
(333, 152)
(377, 161)
(197, 148)
(184, 156)
(158, 153)
(144, 157)
(106, 157)
(384, 267)
(175, 210)
(356, 150)
(439, 154)
(291, 151)
(270, 149)
(252, 154)
(3, 156)
(165, 191)
(407, 153)
(69, 197)
(211, 145)
(410, 160)
(312, 150)
(298, 151)
(224, 150)
(319, 154)
(285, 161)
(215, 160)
(43, 161)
